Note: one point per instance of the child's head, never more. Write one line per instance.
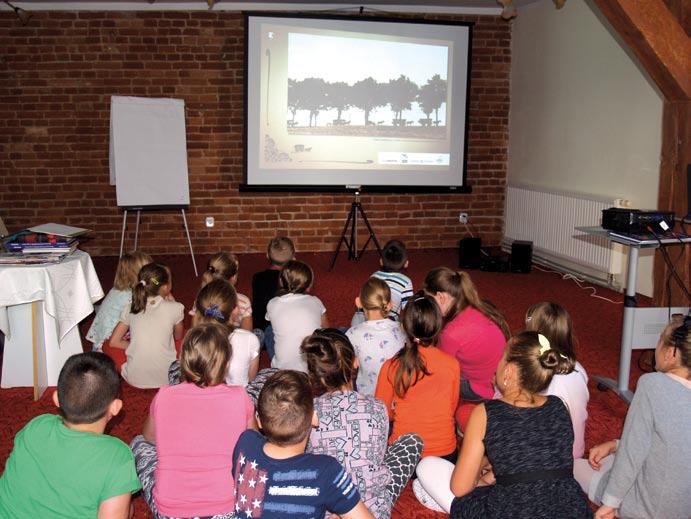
(552, 321)
(222, 265)
(331, 360)
(375, 295)
(674, 348)
(280, 251)
(422, 322)
(285, 408)
(529, 363)
(128, 269)
(153, 279)
(296, 277)
(215, 302)
(455, 291)
(205, 355)
(88, 388)
(394, 256)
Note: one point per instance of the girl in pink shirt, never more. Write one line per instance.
(184, 456)
(475, 332)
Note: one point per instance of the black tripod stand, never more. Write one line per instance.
(351, 243)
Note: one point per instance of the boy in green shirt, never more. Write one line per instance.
(65, 467)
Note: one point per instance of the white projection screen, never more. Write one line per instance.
(336, 103)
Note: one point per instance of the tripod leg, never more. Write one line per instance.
(343, 238)
(372, 236)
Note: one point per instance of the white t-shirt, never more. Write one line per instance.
(152, 347)
(375, 342)
(293, 317)
(245, 348)
(573, 390)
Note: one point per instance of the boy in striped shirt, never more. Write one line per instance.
(394, 258)
(274, 477)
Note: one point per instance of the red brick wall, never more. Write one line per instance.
(56, 78)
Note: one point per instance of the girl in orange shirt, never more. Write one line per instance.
(420, 384)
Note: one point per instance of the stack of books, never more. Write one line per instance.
(48, 243)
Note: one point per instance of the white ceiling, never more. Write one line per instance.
(489, 7)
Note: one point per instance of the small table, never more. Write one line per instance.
(40, 307)
(621, 385)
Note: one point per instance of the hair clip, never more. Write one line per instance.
(421, 298)
(142, 283)
(155, 281)
(213, 311)
(544, 343)
(529, 318)
(211, 269)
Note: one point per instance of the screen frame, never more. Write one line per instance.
(365, 188)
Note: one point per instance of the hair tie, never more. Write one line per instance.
(142, 283)
(213, 311)
(155, 281)
(421, 298)
(544, 344)
(417, 340)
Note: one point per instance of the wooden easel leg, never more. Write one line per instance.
(136, 230)
(189, 242)
(34, 348)
(122, 236)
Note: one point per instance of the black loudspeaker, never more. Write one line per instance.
(521, 256)
(469, 256)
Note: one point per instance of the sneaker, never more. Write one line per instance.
(425, 498)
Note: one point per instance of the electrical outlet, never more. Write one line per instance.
(210, 221)
(463, 217)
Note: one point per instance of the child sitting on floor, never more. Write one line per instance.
(646, 474)
(66, 466)
(377, 339)
(353, 427)
(527, 438)
(119, 297)
(216, 303)
(420, 384)
(224, 265)
(265, 283)
(274, 477)
(552, 321)
(154, 323)
(294, 315)
(394, 258)
(184, 455)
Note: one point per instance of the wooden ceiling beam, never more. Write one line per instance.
(658, 40)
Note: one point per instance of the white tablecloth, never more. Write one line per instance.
(66, 291)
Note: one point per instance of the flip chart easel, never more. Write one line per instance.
(148, 159)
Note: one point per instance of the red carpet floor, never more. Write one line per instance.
(597, 324)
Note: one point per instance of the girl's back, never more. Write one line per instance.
(152, 347)
(293, 317)
(429, 405)
(353, 428)
(375, 342)
(525, 440)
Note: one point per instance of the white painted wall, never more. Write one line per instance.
(584, 118)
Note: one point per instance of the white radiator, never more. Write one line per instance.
(549, 218)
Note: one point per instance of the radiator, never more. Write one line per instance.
(549, 218)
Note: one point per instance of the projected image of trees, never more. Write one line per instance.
(374, 88)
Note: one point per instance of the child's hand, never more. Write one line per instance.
(600, 451)
(605, 512)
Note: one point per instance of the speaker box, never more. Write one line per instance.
(521, 256)
(469, 256)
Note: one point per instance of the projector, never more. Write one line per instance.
(636, 220)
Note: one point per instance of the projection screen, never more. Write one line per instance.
(341, 103)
